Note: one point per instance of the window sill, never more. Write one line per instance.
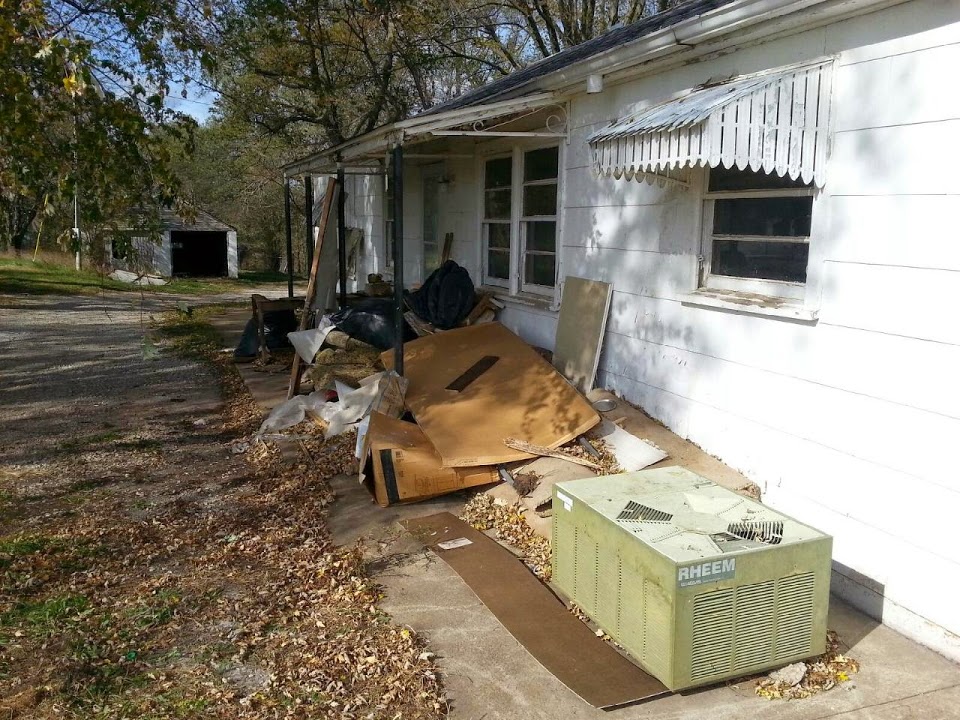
(750, 304)
(522, 300)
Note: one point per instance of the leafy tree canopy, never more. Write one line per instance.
(82, 114)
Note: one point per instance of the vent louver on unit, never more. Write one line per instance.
(636, 511)
(768, 532)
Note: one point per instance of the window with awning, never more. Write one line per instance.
(774, 122)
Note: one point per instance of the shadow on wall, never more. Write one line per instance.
(863, 593)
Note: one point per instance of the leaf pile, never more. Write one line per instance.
(484, 513)
(822, 674)
(607, 460)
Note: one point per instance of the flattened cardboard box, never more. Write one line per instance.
(400, 465)
(472, 387)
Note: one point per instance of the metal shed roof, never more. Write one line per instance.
(202, 222)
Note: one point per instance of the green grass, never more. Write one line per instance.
(23, 276)
(44, 617)
(191, 335)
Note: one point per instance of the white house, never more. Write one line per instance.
(199, 246)
(772, 188)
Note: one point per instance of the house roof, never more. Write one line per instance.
(202, 222)
(496, 90)
(598, 45)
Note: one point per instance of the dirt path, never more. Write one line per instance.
(147, 570)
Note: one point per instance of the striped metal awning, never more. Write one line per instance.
(775, 121)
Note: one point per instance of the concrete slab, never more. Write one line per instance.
(268, 389)
(489, 675)
(682, 452)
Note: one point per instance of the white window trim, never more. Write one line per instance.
(516, 287)
(484, 221)
(782, 290)
(387, 226)
(430, 172)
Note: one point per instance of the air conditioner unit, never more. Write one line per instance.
(697, 583)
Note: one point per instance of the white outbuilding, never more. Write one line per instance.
(202, 246)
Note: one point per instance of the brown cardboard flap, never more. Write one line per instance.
(519, 395)
(402, 465)
(535, 616)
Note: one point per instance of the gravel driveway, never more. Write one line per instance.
(75, 368)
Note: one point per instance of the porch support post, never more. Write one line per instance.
(342, 235)
(308, 202)
(289, 223)
(396, 167)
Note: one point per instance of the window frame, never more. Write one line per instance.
(486, 222)
(430, 173)
(387, 222)
(515, 284)
(526, 220)
(781, 289)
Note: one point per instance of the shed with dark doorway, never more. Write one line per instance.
(199, 246)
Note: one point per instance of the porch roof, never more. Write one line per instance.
(483, 121)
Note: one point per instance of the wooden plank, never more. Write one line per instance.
(532, 449)
(539, 621)
(328, 201)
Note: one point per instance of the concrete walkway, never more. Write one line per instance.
(489, 676)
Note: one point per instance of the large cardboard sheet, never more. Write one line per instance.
(580, 329)
(399, 464)
(517, 395)
(539, 621)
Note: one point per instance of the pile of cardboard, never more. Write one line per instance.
(469, 390)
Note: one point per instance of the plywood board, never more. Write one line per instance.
(517, 396)
(539, 621)
(400, 465)
(580, 328)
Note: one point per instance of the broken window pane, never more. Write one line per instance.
(784, 261)
(540, 199)
(499, 173)
(540, 270)
(541, 164)
(772, 217)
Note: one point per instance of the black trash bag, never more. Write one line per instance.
(445, 298)
(276, 325)
(371, 321)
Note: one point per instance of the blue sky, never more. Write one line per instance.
(198, 103)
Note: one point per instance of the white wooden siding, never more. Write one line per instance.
(848, 423)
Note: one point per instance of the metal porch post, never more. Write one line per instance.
(286, 209)
(397, 178)
(308, 198)
(342, 235)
